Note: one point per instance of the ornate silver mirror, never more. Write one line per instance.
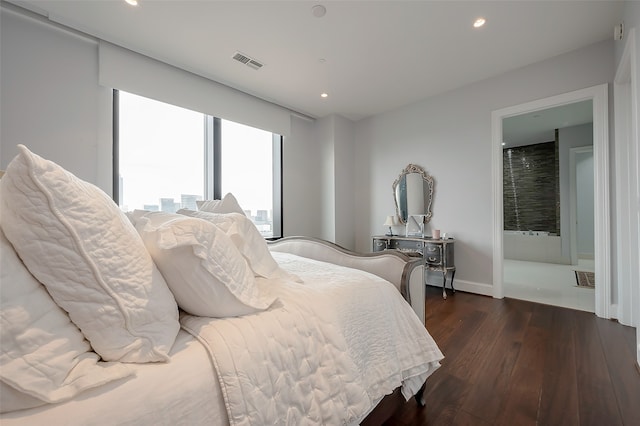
(413, 193)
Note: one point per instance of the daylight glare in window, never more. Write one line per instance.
(166, 161)
(161, 155)
(247, 172)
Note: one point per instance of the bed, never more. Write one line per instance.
(110, 318)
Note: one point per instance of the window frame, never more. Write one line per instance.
(212, 164)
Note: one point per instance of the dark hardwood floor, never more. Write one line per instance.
(511, 362)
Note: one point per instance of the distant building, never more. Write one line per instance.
(262, 222)
(168, 205)
(151, 207)
(188, 201)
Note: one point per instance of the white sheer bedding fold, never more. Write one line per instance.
(330, 348)
(324, 353)
(182, 391)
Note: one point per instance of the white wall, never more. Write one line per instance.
(334, 156)
(302, 180)
(51, 101)
(450, 136)
(584, 205)
(344, 182)
(570, 137)
(631, 18)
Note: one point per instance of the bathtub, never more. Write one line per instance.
(536, 233)
(533, 246)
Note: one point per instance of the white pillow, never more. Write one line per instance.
(136, 214)
(228, 204)
(75, 240)
(44, 358)
(248, 240)
(203, 268)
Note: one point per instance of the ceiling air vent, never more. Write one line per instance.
(250, 62)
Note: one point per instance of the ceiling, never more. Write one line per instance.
(369, 56)
(539, 126)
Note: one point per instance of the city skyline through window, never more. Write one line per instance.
(162, 165)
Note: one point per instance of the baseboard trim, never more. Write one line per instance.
(613, 311)
(586, 256)
(487, 290)
(471, 287)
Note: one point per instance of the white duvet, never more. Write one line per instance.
(325, 353)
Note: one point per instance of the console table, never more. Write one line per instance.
(438, 254)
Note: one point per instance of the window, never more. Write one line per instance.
(168, 158)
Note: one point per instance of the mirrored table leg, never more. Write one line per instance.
(444, 284)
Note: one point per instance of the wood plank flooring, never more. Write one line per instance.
(511, 362)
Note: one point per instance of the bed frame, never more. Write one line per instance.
(401, 270)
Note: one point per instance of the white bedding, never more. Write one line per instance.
(181, 392)
(325, 353)
(384, 344)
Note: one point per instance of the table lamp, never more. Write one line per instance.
(390, 222)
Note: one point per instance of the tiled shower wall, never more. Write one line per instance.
(531, 188)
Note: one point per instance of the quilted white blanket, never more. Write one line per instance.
(326, 352)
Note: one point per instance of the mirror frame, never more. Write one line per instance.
(428, 190)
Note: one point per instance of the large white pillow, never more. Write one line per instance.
(248, 240)
(44, 358)
(206, 273)
(228, 204)
(75, 240)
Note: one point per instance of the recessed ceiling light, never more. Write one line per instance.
(132, 2)
(318, 10)
(324, 95)
(479, 22)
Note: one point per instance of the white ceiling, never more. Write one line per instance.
(539, 126)
(378, 55)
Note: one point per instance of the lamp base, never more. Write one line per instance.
(390, 233)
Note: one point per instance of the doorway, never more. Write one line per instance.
(548, 206)
(599, 97)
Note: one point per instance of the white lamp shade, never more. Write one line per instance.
(390, 221)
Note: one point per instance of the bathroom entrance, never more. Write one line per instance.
(537, 252)
(548, 206)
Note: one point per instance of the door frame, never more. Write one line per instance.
(627, 175)
(599, 96)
